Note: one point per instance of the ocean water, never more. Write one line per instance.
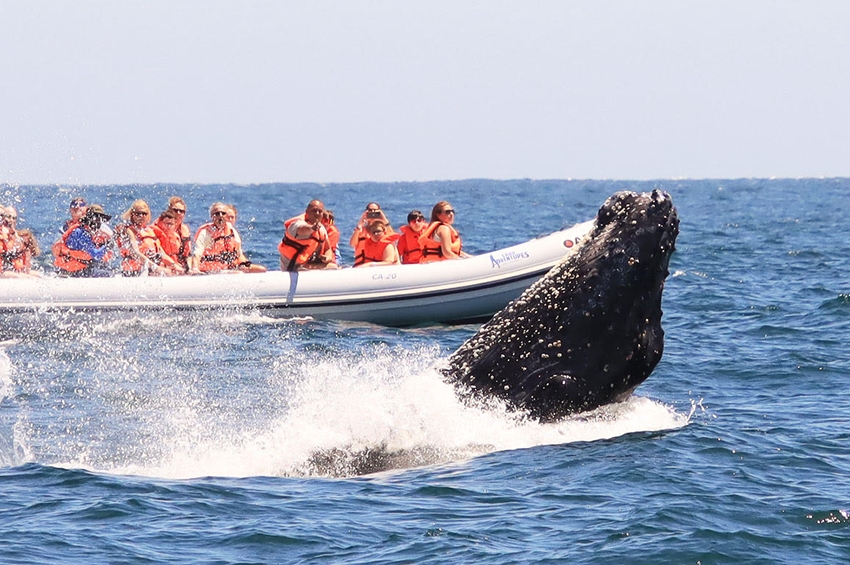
(236, 438)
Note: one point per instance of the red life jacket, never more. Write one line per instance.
(148, 245)
(333, 237)
(371, 251)
(177, 244)
(432, 250)
(408, 245)
(12, 251)
(75, 260)
(299, 251)
(223, 254)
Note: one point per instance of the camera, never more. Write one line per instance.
(373, 215)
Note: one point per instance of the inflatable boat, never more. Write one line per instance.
(457, 291)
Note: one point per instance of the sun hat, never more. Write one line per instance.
(97, 210)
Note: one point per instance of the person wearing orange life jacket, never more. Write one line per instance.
(333, 234)
(171, 241)
(217, 245)
(140, 249)
(440, 240)
(84, 250)
(361, 230)
(31, 250)
(76, 210)
(180, 238)
(12, 248)
(408, 243)
(378, 250)
(305, 241)
(245, 264)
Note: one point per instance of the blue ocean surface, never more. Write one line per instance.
(234, 437)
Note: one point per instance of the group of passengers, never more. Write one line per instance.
(167, 247)
(311, 240)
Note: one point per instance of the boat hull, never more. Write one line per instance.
(447, 291)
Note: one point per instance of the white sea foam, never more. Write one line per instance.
(13, 450)
(5, 372)
(309, 412)
(348, 416)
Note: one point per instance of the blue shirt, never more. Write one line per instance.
(81, 240)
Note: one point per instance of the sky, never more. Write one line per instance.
(206, 91)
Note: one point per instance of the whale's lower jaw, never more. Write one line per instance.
(588, 332)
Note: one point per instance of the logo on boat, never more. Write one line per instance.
(498, 260)
(568, 243)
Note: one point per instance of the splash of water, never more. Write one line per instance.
(350, 417)
(281, 406)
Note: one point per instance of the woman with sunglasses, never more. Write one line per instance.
(440, 240)
(13, 252)
(139, 246)
(217, 244)
(180, 237)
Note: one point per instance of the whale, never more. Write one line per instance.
(588, 332)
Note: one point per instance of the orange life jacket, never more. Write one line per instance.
(333, 237)
(75, 260)
(12, 251)
(223, 254)
(364, 232)
(371, 251)
(408, 245)
(148, 245)
(176, 244)
(432, 250)
(299, 251)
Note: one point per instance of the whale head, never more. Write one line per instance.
(589, 331)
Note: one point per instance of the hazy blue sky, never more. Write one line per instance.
(242, 91)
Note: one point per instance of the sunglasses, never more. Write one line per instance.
(139, 213)
(448, 211)
(219, 213)
(178, 210)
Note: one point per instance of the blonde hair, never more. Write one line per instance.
(30, 242)
(174, 200)
(137, 204)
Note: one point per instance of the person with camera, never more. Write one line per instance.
(305, 241)
(361, 230)
(85, 249)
